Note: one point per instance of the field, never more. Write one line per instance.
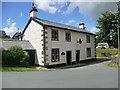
(103, 53)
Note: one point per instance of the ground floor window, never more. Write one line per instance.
(55, 55)
(88, 52)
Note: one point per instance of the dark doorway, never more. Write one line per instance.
(77, 56)
(68, 57)
(31, 57)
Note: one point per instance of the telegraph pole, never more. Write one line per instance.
(117, 24)
(118, 30)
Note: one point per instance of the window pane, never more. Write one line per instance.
(54, 35)
(88, 38)
(55, 55)
(88, 52)
(68, 36)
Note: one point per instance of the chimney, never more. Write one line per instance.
(33, 11)
(82, 26)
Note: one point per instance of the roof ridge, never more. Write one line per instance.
(56, 22)
(51, 23)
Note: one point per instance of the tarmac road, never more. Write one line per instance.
(92, 76)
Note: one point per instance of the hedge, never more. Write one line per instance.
(15, 56)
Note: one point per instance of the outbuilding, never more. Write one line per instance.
(26, 45)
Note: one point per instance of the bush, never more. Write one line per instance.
(106, 54)
(25, 60)
(5, 57)
(15, 56)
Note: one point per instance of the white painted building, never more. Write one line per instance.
(57, 43)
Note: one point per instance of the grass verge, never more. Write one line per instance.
(111, 65)
(19, 69)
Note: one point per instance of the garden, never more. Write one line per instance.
(15, 59)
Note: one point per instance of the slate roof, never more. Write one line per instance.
(59, 25)
(56, 25)
(26, 45)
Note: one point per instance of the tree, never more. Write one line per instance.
(108, 32)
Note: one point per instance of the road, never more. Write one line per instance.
(92, 76)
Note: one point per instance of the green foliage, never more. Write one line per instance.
(15, 56)
(1, 49)
(25, 59)
(110, 64)
(106, 54)
(105, 24)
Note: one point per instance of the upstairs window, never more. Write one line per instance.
(88, 52)
(68, 36)
(55, 55)
(54, 35)
(88, 38)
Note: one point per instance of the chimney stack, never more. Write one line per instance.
(33, 11)
(82, 26)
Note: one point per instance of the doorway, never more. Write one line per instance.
(77, 56)
(68, 57)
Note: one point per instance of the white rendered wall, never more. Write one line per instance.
(33, 14)
(72, 46)
(33, 34)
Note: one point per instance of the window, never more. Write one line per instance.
(88, 52)
(55, 55)
(88, 38)
(54, 35)
(68, 36)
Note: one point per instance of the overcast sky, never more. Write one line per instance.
(16, 14)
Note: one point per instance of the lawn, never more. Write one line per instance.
(19, 69)
(103, 53)
(0, 69)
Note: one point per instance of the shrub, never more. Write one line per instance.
(25, 59)
(5, 57)
(106, 54)
(15, 56)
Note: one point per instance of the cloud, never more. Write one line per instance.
(93, 9)
(9, 21)
(72, 22)
(50, 6)
(11, 29)
(93, 30)
(21, 14)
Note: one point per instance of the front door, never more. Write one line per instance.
(77, 56)
(68, 57)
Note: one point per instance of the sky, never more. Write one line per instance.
(15, 15)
